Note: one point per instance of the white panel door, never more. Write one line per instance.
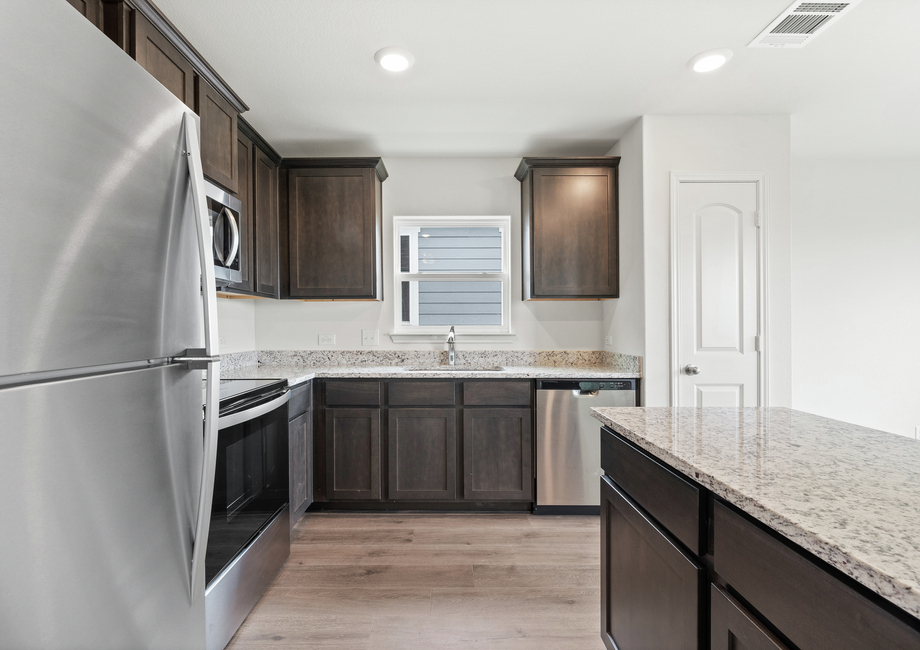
(717, 294)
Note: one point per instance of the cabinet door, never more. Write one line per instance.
(352, 454)
(734, 628)
(265, 220)
(423, 454)
(497, 455)
(650, 589)
(160, 58)
(90, 9)
(574, 233)
(300, 439)
(245, 156)
(219, 156)
(335, 232)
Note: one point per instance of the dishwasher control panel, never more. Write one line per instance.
(588, 385)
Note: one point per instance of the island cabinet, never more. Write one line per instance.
(335, 228)
(569, 219)
(300, 451)
(681, 568)
(406, 442)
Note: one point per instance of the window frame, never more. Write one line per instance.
(406, 332)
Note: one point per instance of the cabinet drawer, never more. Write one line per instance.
(733, 627)
(352, 393)
(496, 393)
(301, 400)
(812, 608)
(421, 393)
(650, 587)
(664, 494)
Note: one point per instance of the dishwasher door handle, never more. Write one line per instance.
(581, 394)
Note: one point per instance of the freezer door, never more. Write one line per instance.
(100, 478)
(97, 236)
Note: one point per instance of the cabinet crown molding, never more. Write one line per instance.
(573, 161)
(344, 163)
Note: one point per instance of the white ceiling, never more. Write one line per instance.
(551, 77)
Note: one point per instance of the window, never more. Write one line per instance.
(452, 271)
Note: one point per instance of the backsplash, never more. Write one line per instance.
(513, 358)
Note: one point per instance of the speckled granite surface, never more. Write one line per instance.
(301, 365)
(848, 494)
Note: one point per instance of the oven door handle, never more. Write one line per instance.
(251, 414)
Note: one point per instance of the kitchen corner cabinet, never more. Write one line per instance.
(569, 217)
(335, 228)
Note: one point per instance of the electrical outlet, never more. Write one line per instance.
(608, 340)
(370, 337)
(327, 339)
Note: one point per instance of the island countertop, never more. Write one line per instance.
(847, 494)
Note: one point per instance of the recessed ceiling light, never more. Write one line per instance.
(394, 59)
(710, 60)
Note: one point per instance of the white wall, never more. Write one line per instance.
(856, 291)
(236, 325)
(715, 143)
(435, 186)
(624, 318)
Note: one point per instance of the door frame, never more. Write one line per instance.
(760, 179)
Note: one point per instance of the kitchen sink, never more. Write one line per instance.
(453, 368)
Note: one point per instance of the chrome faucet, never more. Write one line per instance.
(450, 346)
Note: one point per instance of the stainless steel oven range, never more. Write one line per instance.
(250, 537)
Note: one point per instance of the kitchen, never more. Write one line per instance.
(834, 279)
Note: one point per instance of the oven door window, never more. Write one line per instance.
(250, 486)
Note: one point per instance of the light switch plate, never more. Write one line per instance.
(370, 337)
(327, 339)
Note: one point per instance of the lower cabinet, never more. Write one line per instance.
(352, 453)
(422, 454)
(650, 588)
(497, 454)
(300, 441)
(733, 628)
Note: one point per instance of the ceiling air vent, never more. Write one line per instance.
(801, 23)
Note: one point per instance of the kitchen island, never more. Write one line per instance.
(808, 526)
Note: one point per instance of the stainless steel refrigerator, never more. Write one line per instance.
(106, 454)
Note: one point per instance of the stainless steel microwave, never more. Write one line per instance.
(224, 210)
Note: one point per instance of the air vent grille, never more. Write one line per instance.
(801, 23)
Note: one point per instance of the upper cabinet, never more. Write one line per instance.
(162, 60)
(218, 136)
(91, 10)
(569, 228)
(335, 228)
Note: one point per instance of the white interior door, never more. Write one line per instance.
(717, 294)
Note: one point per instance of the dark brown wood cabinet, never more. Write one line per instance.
(650, 587)
(352, 442)
(422, 454)
(300, 456)
(163, 61)
(245, 156)
(497, 454)
(219, 134)
(335, 228)
(732, 627)
(90, 9)
(569, 217)
(265, 225)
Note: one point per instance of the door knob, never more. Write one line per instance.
(691, 370)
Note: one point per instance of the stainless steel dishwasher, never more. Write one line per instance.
(569, 442)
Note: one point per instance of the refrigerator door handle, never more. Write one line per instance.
(209, 300)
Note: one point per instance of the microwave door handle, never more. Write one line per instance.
(235, 237)
(209, 300)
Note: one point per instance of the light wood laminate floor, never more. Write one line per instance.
(406, 580)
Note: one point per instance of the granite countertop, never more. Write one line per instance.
(848, 494)
(299, 373)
